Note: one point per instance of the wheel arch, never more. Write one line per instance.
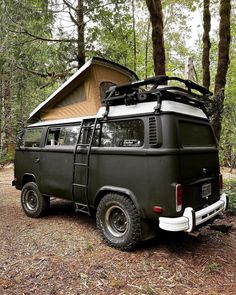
(119, 190)
(28, 177)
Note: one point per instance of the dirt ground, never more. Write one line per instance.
(64, 254)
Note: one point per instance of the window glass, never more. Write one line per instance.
(32, 137)
(104, 86)
(66, 135)
(70, 134)
(122, 134)
(196, 134)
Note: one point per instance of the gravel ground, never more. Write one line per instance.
(63, 254)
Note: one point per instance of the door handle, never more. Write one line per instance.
(36, 160)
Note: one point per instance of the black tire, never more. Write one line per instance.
(34, 204)
(119, 222)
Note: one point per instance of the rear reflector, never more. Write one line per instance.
(220, 181)
(157, 209)
(179, 197)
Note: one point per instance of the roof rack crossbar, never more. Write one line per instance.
(157, 81)
(131, 98)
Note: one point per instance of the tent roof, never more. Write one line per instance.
(73, 81)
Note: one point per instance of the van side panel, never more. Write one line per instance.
(138, 171)
(26, 164)
(56, 170)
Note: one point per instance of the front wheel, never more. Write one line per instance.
(33, 202)
(119, 222)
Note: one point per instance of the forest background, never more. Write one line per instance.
(43, 42)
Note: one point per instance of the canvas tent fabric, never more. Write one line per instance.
(81, 94)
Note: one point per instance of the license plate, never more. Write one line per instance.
(206, 190)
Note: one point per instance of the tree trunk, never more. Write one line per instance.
(1, 117)
(6, 130)
(80, 32)
(146, 50)
(134, 36)
(222, 67)
(206, 44)
(156, 17)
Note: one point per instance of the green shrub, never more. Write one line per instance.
(230, 189)
(7, 158)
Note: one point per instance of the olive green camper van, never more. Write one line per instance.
(147, 159)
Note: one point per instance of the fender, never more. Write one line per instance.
(28, 176)
(121, 190)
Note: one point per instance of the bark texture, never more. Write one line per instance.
(134, 36)
(156, 17)
(5, 116)
(206, 44)
(80, 28)
(77, 17)
(222, 67)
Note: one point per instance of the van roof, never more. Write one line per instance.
(138, 109)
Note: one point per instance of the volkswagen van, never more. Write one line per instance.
(147, 160)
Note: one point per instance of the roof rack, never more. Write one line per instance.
(136, 92)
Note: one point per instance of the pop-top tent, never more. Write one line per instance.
(81, 94)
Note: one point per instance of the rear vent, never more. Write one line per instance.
(152, 131)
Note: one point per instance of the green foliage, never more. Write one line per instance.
(25, 64)
(7, 158)
(230, 189)
(228, 137)
(177, 16)
(110, 34)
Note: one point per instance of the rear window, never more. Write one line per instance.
(196, 134)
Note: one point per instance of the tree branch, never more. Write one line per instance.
(42, 38)
(61, 75)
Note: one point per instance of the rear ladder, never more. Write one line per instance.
(83, 207)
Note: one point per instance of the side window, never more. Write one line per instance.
(128, 133)
(53, 136)
(66, 135)
(32, 137)
(70, 135)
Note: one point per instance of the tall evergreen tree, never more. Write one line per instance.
(156, 17)
(222, 66)
(206, 44)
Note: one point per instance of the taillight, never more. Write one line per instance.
(220, 181)
(179, 197)
(157, 209)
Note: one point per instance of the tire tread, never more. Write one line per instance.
(134, 237)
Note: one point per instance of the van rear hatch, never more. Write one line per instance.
(199, 164)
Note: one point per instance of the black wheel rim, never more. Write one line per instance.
(117, 221)
(31, 200)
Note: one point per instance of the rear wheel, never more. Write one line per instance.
(33, 202)
(119, 222)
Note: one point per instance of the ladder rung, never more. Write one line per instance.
(80, 185)
(82, 208)
(80, 205)
(82, 144)
(81, 164)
